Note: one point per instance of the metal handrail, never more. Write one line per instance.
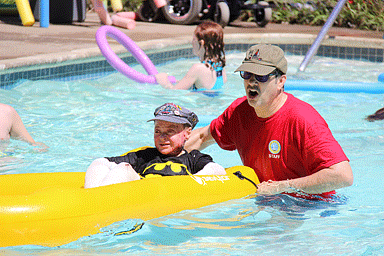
(316, 44)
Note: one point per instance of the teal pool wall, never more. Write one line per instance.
(95, 67)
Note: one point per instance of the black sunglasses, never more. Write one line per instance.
(262, 79)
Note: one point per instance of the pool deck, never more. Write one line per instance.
(23, 46)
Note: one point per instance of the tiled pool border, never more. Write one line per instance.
(96, 66)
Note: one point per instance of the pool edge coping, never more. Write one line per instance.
(157, 44)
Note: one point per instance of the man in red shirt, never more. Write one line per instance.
(284, 139)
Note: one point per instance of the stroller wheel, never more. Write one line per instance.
(182, 12)
(147, 13)
(263, 15)
(222, 14)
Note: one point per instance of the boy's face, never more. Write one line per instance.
(170, 137)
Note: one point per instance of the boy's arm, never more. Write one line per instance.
(212, 169)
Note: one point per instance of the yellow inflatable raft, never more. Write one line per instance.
(53, 209)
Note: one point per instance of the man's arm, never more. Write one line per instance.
(199, 139)
(336, 176)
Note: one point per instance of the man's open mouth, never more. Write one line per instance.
(253, 93)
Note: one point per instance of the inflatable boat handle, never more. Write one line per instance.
(242, 177)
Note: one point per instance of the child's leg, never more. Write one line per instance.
(103, 14)
(123, 172)
(97, 171)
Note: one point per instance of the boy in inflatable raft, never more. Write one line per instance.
(173, 126)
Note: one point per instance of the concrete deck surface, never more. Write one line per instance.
(17, 41)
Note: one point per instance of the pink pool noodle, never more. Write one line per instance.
(123, 22)
(160, 3)
(127, 15)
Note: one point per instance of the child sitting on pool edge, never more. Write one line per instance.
(173, 126)
(208, 45)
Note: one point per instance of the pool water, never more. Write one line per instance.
(84, 120)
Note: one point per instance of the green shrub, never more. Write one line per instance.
(361, 14)
(128, 5)
(131, 5)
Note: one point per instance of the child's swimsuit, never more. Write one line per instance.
(219, 76)
(150, 162)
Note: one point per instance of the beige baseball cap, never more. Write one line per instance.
(262, 59)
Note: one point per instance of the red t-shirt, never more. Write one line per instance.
(294, 142)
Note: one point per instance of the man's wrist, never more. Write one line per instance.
(289, 187)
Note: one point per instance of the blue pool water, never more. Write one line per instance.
(84, 120)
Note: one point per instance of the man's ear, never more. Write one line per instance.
(281, 81)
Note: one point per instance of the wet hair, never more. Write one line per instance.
(378, 115)
(213, 36)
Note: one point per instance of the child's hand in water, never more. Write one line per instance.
(40, 147)
(162, 79)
